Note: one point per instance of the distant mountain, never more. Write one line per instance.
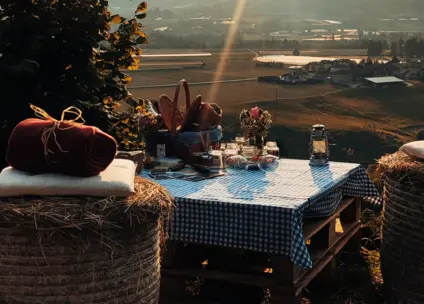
(353, 13)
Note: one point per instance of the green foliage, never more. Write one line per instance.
(394, 49)
(412, 47)
(50, 56)
(375, 48)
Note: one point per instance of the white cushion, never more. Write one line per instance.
(116, 180)
(415, 148)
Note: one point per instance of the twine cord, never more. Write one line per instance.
(49, 133)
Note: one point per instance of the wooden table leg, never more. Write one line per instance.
(279, 297)
(353, 214)
(172, 288)
(284, 274)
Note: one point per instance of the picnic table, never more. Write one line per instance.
(266, 212)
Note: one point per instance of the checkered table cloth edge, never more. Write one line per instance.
(213, 216)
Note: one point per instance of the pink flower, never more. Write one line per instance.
(254, 113)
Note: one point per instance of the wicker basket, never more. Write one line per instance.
(402, 251)
(82, 250)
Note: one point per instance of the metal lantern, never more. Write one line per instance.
(319, 150)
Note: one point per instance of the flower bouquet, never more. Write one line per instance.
(255, 124)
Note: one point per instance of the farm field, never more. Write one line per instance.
(357, 118)
(232, 95)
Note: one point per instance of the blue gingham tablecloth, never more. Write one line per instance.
(261, 211)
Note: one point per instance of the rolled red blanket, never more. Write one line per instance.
(65, 147)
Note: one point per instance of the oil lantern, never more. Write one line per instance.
(319, 151)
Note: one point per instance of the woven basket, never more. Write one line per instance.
(83, 250)
(402, 251)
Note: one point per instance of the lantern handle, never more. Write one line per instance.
(331, 141)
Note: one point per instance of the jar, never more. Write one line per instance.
(249, 152)
(217, 162)
(241, 141)
(273, 149)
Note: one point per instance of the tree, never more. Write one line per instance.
(371, 49)
(360, 34)
(394, 49)
(50, 57)
(296, 52)
(375, 48)
(379, 48)
(411, 47)
(401, 46)
(420, 50)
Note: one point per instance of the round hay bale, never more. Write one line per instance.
(402, 249)
(83, 250)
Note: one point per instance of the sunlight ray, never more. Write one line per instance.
(232, 30)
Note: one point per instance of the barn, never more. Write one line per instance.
(379, 82)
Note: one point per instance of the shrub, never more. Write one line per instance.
(50, 56)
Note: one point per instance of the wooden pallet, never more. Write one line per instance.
(325, 238)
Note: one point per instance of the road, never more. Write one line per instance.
(193, 83)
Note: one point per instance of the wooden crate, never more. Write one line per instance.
(325, 238)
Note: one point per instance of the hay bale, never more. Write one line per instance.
(402, 250)
(83, 250)
(403, 168)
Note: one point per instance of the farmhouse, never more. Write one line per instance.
(378, 82)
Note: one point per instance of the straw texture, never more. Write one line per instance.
(402, 249)
(83, 250)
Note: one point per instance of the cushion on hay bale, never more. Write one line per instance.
(116, 180)
(49, 146)
(77, 250)
(415, 148)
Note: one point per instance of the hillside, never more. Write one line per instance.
(301, 8)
